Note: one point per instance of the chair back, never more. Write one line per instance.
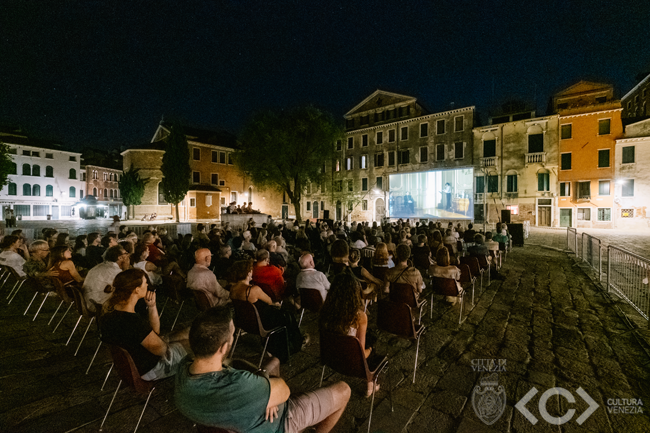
(396, 318)
(451, 248)
(483, 263)
(207, 429)
(201, 299)
(174, 286)
(465, 274)
(127, 371)
(247, 318)
(311, 299)
(80, 301)
(403, 293)
(421, 261)
(62, 291)
(444, 286)
(344, 354)
(473, 264)
(380, 272)
(267, 289)
(459, 246)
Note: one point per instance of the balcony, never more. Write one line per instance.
(512, 195)
(536, 158)
(489, 162)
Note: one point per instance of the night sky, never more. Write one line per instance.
(103, 74)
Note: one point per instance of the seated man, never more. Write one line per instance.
(310, 278)
(479, 248)
(94, 250)
(212, 393)
(402, 272)
(277, 259)
(468, 236)
(102, 275)
(201, 278)
(264, 273)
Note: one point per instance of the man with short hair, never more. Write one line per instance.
(203, 279)
(36, 266)
(402, 272)
(479, 248)
(94, 250)
(211, 392)
(276, 258)
(102, 275)
(310, 278)
(468, 236)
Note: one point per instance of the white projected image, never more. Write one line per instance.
(441, 194)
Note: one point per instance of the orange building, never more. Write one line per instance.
(590, 123)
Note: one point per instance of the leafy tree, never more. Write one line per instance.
(6, 165)
(131, 189)
(287, 150)
(176, 167)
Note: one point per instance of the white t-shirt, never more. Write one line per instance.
(13, 260)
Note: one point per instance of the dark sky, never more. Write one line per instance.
(103, 73)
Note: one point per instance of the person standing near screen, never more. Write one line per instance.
(447, 192)
(410, 203)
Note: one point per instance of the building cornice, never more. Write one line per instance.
(590, 113)
(412, 119)
(635, 88)
(632, 140)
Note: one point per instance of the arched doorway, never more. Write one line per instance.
(314, 210)
(380, 209)
(338, 211)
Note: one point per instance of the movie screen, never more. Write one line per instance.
(436, 194)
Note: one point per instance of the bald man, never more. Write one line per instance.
(203, 279)
(310, 278)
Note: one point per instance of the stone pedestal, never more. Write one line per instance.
(239, 220)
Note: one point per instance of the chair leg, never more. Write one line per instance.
(65, 314)
(390, 389)
(372, 402)
(301, 314)
(73, 329)
(107, 374)
(417, 351)
(57, 310)
(177, 314)
(90, 322)
(16, 292)
(41, 306)
(31, 302)
(266, 342)
(431, 308)
(232, 351)
(460, 317)
(322, 375)
(94, 356)
(489, 274)
(163, 308)
(473, 283)
(101, 426)
(11, 292)
(143, 409)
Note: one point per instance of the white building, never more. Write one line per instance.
(45, 180)
(632, 188)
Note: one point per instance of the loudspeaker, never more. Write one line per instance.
(326, 214)
(517, 233)
(505, 216)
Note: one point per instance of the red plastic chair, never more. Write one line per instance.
(310, 299)
(405, 294)
(466, 278)
(448, 287)
(344, 355)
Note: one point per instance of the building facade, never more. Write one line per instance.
(45, 181)
(636, 102)
(102, 183)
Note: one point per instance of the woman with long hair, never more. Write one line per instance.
(9, 255)
(80, 244)
(154, 356)
(62, 239)
(389, 244)
(403, 239)
(373, 284)
(342, 313)
(139, 260)
(444, 269)
(61, 262)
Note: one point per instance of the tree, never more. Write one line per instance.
(131, 189)
(286, 150)
(6, 165)
(176, 167)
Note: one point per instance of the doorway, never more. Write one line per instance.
(55, 212)
(314, 209)
(380, 209)
(285, 211)
(544, 216)
(566, 217)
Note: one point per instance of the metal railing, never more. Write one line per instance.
(592, 253)
(571, 240)
(627, 276)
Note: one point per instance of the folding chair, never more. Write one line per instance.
(474, 266)
(448, 287)
(83, 311)
(128, 372)
(466, 277)
(484, 264)
(405, 294)
(248, 319)
(267, 289)
(38, 289)
(344, 355)
(201, 300)
(66, 296)
(174, 287)
(397, 318)
(20, 281)
(310, 299)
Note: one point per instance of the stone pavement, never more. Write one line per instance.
(637, 241)
(547, 320)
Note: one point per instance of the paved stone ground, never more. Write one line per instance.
(635, 241)
(547, 320)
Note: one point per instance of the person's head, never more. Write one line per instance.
(478, 238)
(355, 256)
(388, 238)
(340, 249)
(128, 246)
(109, 241)
(279, 240)
(442, 257)
(271, 246)
(422, 239)
(123, 229)
(200, 228)
(381, 253)
(140, 253)
(212, 332)
(116, 219)
(499, 227)
(10, 242)
(343, 302)
(203, 257)
(39, 249)
(470, 226)
(448, 232)
(62, 239)
(488, 236)
(148, 239)
(402, 235)
(94, 239)
(59, 254)
(242, 270)
(225, 251)
(127, 284)
(306, 261)
(437, 236)
(117, 254)
(402, 253)
(247, 236)
(263, 257)
(80, 241)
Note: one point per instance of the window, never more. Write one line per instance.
(83, 177)
(379, 159)
(404, 133)
(565, 131)
(222, 157)
(543, 182)
(230, 161)
(404, 157)
(480, 184)
(628, 154)
(380, 183)
(338, 186)
(41, 209)
(603, 158)
(458, 123)
(603, 187)
(105, 194)
(339, 145)
(404, 111)
(391, 136)
(493, 183)
(627, 213)
(459, 150)
(49, 155)
(27, 170)
(364, 204)
(36, 170)
(73, 192)
(350, 142)
(348, 164)
(380, 137)
(72, 174)
(23, 210)
(192, 202)
(215, 156)
(350, 185)
(196, 154)
(424, 154)
(364, 140)
(603, 126)
(440, 126)
(105, 177)
(628, 188)
(26, 152)
(36, 190)
(308, 206)
(604, 214)
(12, 189)
(584, 214)
(565, 161)
(440, 152)
(391, 158)
(214, 179)
(391, 114)
(363, 162)
(73, 159)
(511, 183)
(424, 129)
(349, 123)
(49, 191)
(110, 192)
(95, 192)
(364, 120)
(536, 143)
(584, 189)
(489, 148)
(565, 189)
(13, 151)
(13, 169)
(364, 184)
(196, 177)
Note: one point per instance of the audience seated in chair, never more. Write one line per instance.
(443, 269)
(60, 261)
(94, 250)
(402, 272)
(36, 267)
(9, 255)
(102, 275)
(373, 284)
(479, 248)
(139, 260)
(264, 273)
(203, 279)
(310, 278)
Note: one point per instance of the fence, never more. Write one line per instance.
(592, 253)
(571, 240)
(627, 276)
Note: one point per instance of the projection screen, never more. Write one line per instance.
(435, 194)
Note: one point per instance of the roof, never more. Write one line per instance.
(208, 188)
(215, 137)
(156, 145)
(394, 98)
(635, 88)
(16, 138)
(583, 87)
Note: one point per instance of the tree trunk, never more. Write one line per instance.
(177, 218)
(296, 206)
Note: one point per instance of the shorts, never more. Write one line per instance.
(308, 409)
(166, 366)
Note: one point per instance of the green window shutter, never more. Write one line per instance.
(566, 161)
(489, 148)
(628, 154)
(480, 185)
(603, 158)
(493, 183)
(542, 182)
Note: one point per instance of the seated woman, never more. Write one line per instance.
(389, 244)
(271, 316)
(374, 284)
(422, 253)
(9, 255)
(155, 356)
(342, 313)
(62, 240)
(266, 274)
(247, 245)
(435, 243)
(159, 258)
(381, 258)
(61, 262)
(139, 261)
(403, 239)
(444, 269)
